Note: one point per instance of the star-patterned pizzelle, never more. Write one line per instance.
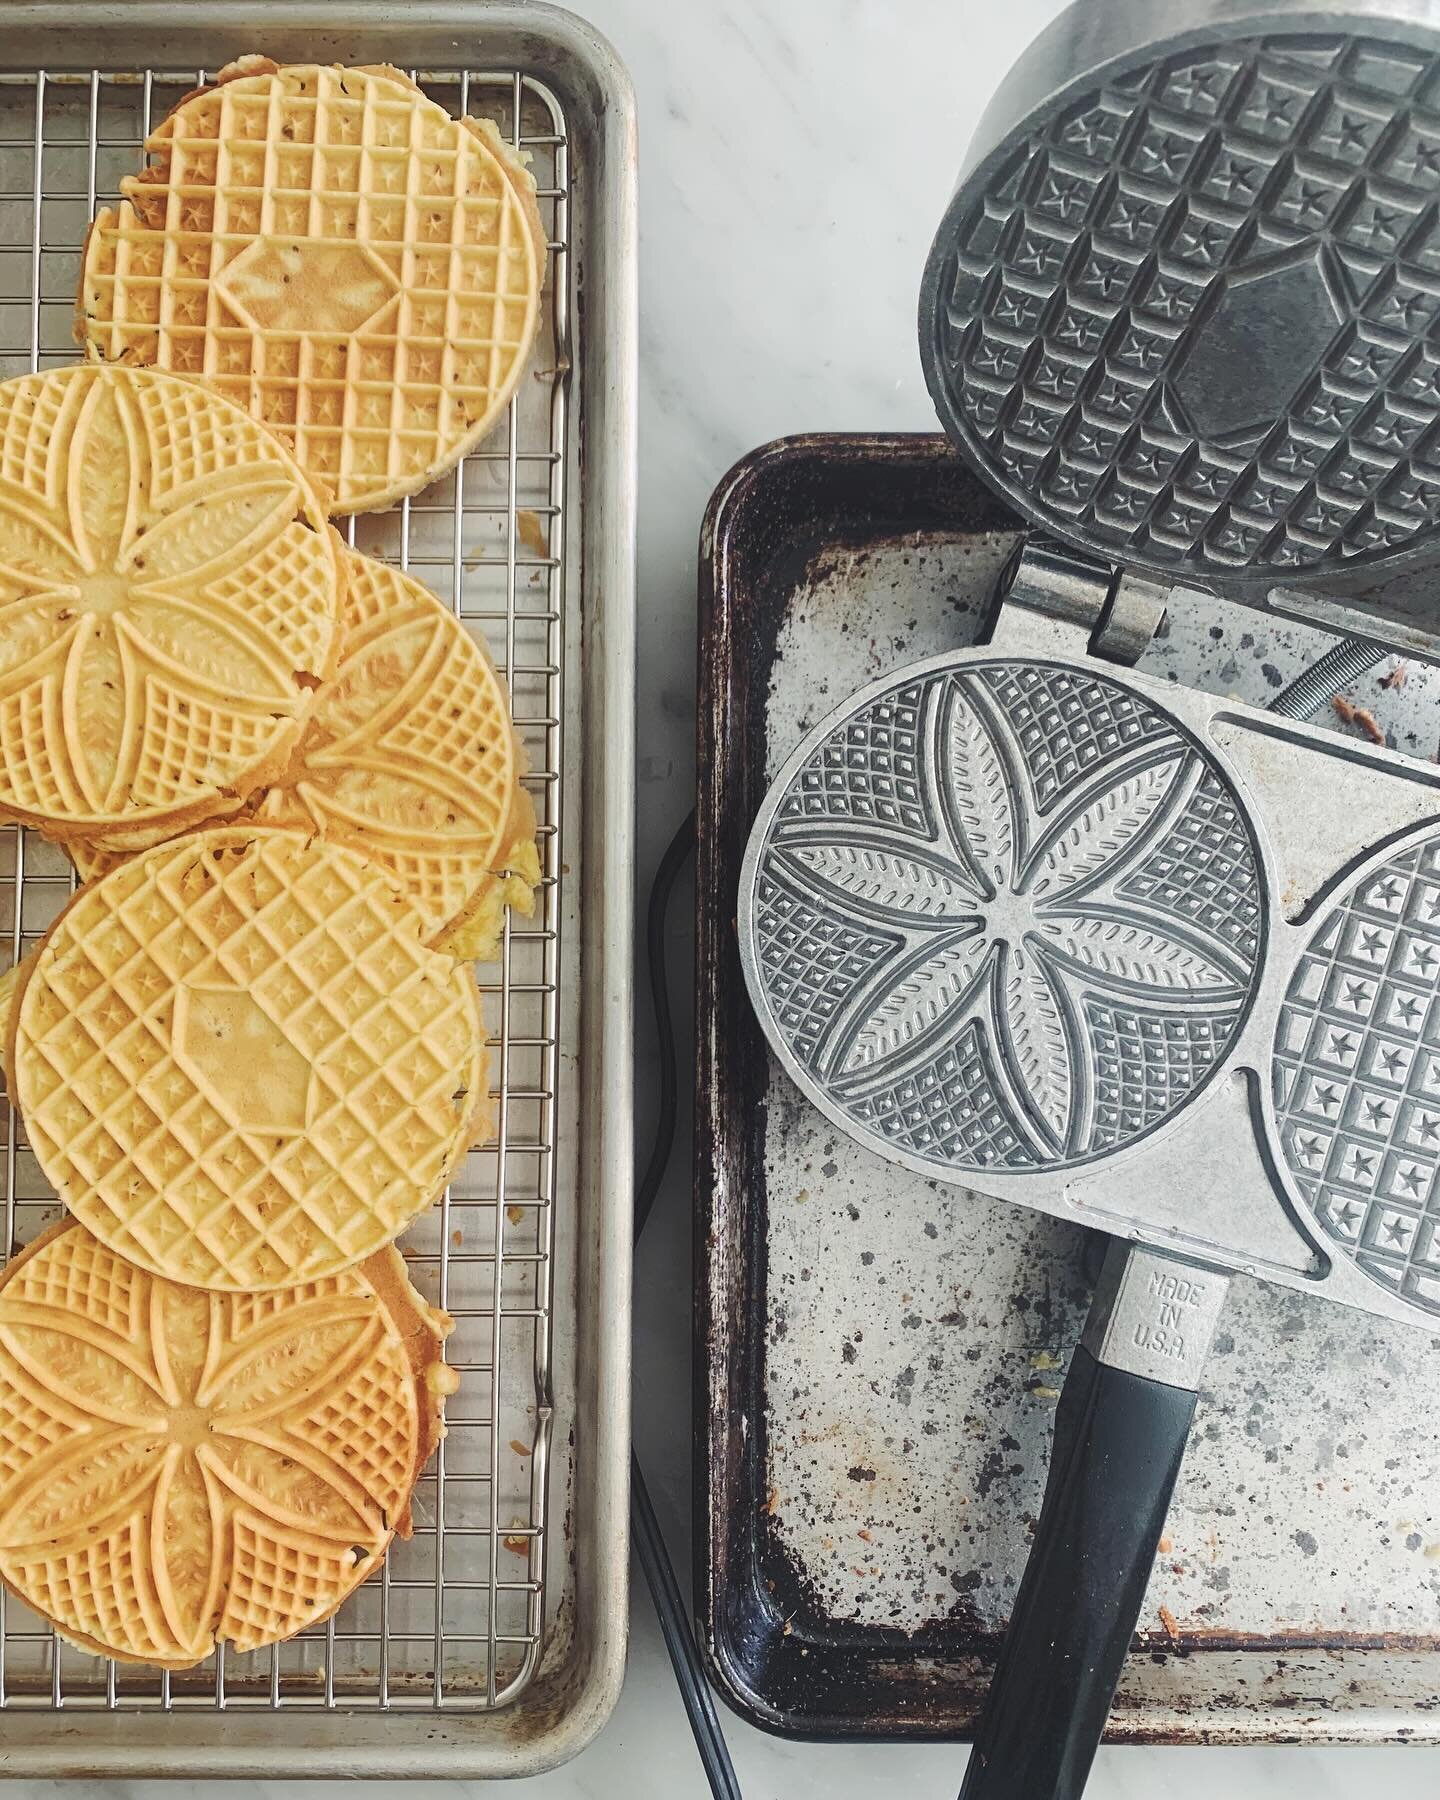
(338, 254)
(239, 1062)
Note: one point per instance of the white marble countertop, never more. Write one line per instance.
(795, 156)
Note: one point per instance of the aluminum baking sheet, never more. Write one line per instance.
(493, 1640)
(881, 1354)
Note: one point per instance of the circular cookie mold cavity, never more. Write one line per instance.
(1355, 1080)
(239, 1063)
(1001, 915)
(1181, 313)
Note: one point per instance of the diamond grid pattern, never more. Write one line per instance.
(1067, 725)
(280, 1585)
(1147, 1064)
(872, 775)
(27, 718)
(100, 1590)
(813, 961)
(1357, 1076)
(1114, 247)
(230, 260)
(25, 1432)
(951, 1108)
(88, 1281)
(164, 1165)
(1198, 872)
(356, 1428)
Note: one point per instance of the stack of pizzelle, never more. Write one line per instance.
(250, 1051)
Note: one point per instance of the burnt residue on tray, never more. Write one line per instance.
(775, 524)
(854, 1575)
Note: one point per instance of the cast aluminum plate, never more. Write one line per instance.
(1179, 309)
(1007, 914)
(1128, 954)
(493, 1641)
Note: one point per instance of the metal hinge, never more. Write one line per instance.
(1054, 599)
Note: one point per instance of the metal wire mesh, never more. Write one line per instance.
(457, 1617)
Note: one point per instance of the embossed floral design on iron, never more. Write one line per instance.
(1008, 915)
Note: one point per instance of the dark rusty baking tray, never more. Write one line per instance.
(877, 1357)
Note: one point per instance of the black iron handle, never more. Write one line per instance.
(1119, 1441)
(1120, 1430)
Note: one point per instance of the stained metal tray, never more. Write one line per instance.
(878, 1356)
(494, 1641)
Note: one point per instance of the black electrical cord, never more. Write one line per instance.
(645, 1531)
(677, 851)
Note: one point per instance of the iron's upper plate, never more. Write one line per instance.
(1355, 1080)
(1001, 915)
(1180, 311)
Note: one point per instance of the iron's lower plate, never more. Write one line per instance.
(1002, 914)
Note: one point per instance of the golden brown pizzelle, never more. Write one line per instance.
(181, 1469)
(334, 251)
(169, 594)
(410, 759)
(240, 1065)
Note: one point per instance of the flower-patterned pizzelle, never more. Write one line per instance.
(240, 1064)
(1004, 915)
(181, 1469)
(338, 254)
(1356, 1076)
(411, 759)
(168, 600)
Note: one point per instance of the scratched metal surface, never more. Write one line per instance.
(916, 1336)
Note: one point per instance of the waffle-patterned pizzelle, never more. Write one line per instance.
(239, 1063)
(338, 254)
(412, 760)
(181, 1469)
(168, 597)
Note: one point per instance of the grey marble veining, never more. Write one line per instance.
(794, 160)
(795, 155)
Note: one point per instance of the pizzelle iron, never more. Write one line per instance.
(1022, 919)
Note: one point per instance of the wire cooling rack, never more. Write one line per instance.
(457, 1618)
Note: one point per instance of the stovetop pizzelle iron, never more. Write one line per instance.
(1136, 956)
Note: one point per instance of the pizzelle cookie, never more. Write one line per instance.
(339, 255)
(240, 1065)
(412, 760)
(181, 1469)
(168, 598)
